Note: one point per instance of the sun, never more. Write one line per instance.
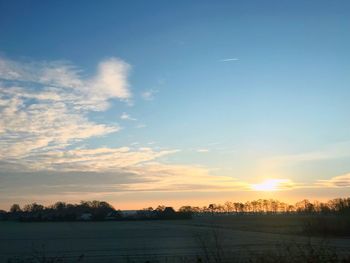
(270, 185)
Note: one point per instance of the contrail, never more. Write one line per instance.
(229, 59)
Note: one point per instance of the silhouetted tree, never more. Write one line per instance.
(34, 207)
(15, 208)
(189, 209)
(160, 208)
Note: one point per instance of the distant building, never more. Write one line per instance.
(146, 213)
(3, 215)
(128, 213)
(113, 215)
(85, 216)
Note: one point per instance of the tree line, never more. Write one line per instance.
(261, 206)
(85, 211)
(101, 210)
(60, 211)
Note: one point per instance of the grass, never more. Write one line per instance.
(254, 239)
(284, 252)
(214, 251)
(327, 226)
(292, 252)
(293, 224)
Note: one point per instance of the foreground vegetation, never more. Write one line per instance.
(284, 252)
(206, 238)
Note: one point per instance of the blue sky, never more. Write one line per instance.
(236, 92)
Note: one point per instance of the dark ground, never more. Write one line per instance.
(165, 240)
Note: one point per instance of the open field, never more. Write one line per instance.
(167, 240)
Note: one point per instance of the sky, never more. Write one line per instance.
(141, 103)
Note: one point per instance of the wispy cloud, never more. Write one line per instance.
(337, 181)
(63, 81)
(178, 178)
(141, 125)
(148, 177)
(330, 152)
(44, 109)
(228, 59)
(202, 150)
(45, 105)
(149, 94)
(126, 116)
(94, 159)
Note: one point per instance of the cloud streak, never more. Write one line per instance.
(276, 164)
(96, 160)
(337, 181)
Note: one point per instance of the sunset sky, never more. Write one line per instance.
(141, 103)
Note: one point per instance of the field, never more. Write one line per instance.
(168, 241)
